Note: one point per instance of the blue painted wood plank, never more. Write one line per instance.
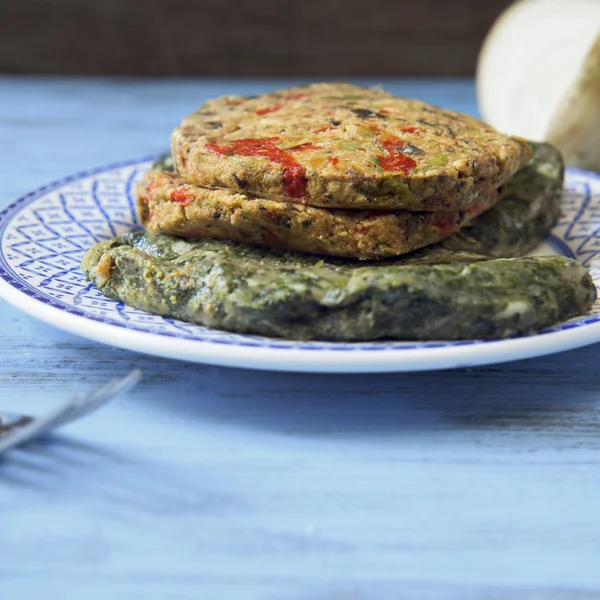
(205, 482)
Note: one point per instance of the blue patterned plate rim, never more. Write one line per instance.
(44, 234)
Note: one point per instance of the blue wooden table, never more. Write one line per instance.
(213, 483)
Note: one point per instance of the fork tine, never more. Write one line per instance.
(93, 400)
(113, 388)
(82, 404)
(72, 408)
(77, 406)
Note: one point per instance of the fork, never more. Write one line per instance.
(18, 429)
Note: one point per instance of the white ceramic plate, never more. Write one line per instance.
(44, 235)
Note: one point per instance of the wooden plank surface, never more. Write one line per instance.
(214, 483)
(316, 38)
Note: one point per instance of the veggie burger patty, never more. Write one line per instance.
(337, 145)
(166, 203)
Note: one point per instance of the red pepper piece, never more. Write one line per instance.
(446, 224)
(395, 160)
(294, 175)
(266, 111)
(181, 196)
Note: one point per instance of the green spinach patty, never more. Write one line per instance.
(460, 288)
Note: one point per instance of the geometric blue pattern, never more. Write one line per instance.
(44, 235)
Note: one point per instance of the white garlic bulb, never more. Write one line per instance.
(538, 76)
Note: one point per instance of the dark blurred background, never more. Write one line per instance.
(252, 38)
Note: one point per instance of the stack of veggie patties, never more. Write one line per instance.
(330, 169)
(337, 212)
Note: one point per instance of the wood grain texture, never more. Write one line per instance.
(216, 483)
(316, 38)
